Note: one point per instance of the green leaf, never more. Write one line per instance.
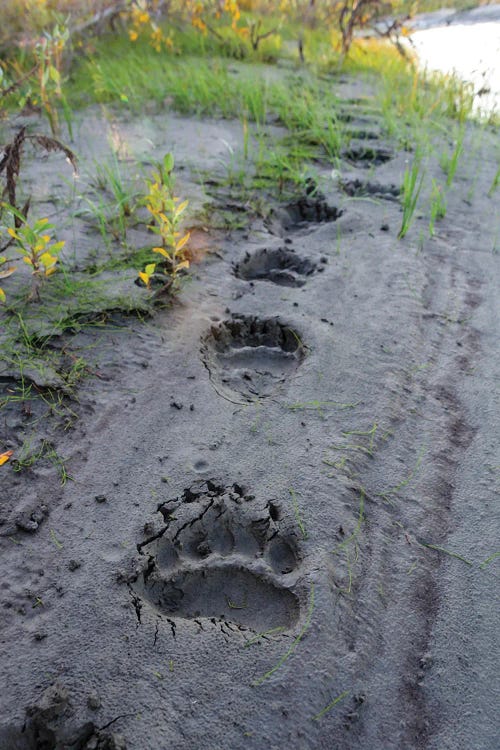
(54, 74)
(42, 224)
(168, 163)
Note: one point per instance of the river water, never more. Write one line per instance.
(466, 43)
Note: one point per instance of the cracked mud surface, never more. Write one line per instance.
(222, 558)
(334, 588)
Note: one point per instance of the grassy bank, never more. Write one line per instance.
(289, 79)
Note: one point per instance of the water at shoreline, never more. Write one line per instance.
(466, 43)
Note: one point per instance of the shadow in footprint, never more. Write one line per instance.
(227, 593)
(248, 358)
(309, 209)
(278, 265)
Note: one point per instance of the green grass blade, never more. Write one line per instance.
(294, 645)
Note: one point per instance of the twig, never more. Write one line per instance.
(18, 83)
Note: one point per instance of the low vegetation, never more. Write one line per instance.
(207, 59)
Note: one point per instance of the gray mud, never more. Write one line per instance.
(282, 520)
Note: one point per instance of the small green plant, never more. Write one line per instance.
(166, 211)
(494, 184)
(37, 249)
(449, 162)
(438, 206)
(112, 216)
(412, 185)
(49, 55)
(112, 204)
(29, 456)
(10, 166)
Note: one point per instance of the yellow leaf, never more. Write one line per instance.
(162, 251)
(165, 219)
(5, 274)
(182, 207)
(182, 242)
(184, 264)
(2, 295)
(28, 261)
(4, 457)
(48, 260)
(12, 233)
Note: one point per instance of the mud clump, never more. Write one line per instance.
(249, 358)
(281, 266)
(51, 725)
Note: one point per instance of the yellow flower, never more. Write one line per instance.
(199, 24)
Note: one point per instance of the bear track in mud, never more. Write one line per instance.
(365, 155)
(248, 358)
(280, 265)
(361, 188)
(223, 556)
(308, 209)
